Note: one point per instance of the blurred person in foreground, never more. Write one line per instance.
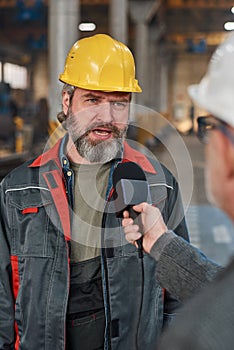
(68, 277)
(206, 321)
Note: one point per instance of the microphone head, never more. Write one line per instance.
(130, 187)
(128, 170)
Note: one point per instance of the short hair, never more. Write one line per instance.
(70, 90)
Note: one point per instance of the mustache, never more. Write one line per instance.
(109, 126)
(112, 128)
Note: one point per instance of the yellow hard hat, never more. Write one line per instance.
(100, 63)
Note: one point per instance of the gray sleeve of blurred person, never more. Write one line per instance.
(206, 320)
(182, 269)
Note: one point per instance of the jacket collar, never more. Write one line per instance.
(132, 155)
(57, 153)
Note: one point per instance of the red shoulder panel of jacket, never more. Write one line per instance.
(132, 155)
(44, 158)
(57, 189)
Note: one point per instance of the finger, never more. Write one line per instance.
(132, 237)
(126, 214)
(131, 229)
(141, 208)
(127, 222)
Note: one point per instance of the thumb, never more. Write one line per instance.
(141, 208)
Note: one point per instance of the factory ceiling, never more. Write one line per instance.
(190, 24)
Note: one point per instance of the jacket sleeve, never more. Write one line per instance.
(173, 214)
(6, 296)
(173, 211)
(181, 268)
(206, 320)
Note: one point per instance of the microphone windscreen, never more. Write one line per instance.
(130, 187)
(128, 170)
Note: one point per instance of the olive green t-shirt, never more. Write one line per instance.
(90, 186)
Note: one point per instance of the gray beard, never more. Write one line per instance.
(94, 151)
(101, 152)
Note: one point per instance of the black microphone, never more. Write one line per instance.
(130, 188)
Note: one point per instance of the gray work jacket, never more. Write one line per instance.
(36, 213)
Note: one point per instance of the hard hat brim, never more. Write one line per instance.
(135, 88)
(212, 108)
(194, 93)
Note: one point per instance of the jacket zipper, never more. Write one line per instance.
(107, 338)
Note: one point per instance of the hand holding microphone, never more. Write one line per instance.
(152, 222)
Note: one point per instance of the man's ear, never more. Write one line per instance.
(226, 149)
(230, 152)
(66, 102)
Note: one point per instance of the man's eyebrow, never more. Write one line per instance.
(121, 99)
(117, 98)
(91, 95)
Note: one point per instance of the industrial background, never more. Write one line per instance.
(171, 39)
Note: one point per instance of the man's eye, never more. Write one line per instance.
(119, 105)
(92, 100)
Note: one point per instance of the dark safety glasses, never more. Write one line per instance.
(208, 123)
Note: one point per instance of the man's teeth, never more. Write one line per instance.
(101, 132)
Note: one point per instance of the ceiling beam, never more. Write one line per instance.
(169, 3)
(95, 2)
(30, 3)
(204, 4)
(154, 9)
(212, 39)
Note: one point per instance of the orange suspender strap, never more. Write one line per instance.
(55, 183)
(15, 281)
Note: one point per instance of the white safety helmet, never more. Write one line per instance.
(215, 92)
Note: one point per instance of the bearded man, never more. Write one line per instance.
(68, 277)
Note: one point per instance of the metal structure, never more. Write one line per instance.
(178, 16)
(155, 30)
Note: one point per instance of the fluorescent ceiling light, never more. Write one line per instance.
(229, 26)
(87, 27)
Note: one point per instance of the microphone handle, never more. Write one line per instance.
(137, 220)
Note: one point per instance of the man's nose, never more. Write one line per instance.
(105, 112)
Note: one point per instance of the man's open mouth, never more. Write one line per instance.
(102, 131)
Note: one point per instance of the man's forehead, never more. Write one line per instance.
(104, 94)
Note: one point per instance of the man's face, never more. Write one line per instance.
(212, 170)
(97, 122)
(220, 167)
(218, 137)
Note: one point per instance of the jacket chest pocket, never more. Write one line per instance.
(33, 233)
